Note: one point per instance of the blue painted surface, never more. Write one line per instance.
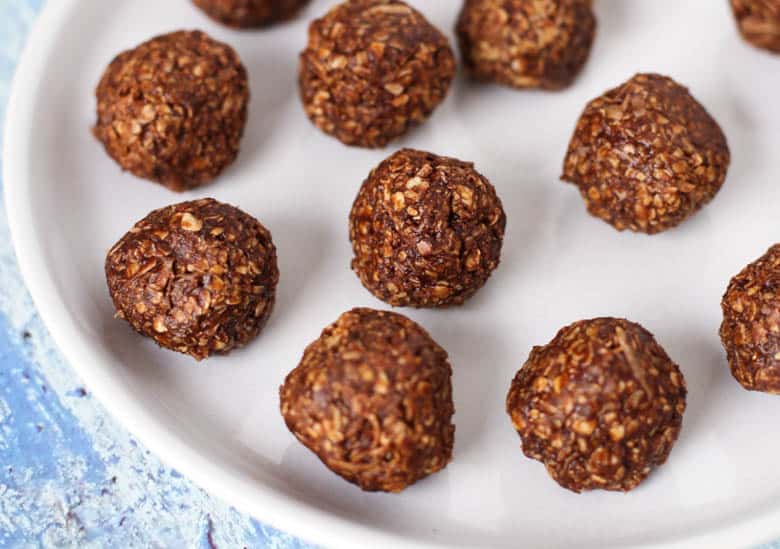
(69, 475)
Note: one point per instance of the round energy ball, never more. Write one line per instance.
(601, 405)
(372, 398)
(197, 277)
(426, 230)
(173, 109)
(750, 331)
(250, 13)
(526, 43)
(759, 22)
(646, 155)
(372, 70)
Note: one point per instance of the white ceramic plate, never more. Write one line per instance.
(218, 422)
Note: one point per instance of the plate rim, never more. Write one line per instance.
(265, 503)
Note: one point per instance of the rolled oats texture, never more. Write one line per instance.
(600, 406)
(750, 331)
(759, 22)
(250, 13)
(646, 155)
(372, 70)
(197, 277)
(372, 398)
(526, 43)
(173, 109)
(426, 230)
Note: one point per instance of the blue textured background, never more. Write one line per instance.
(70, 476)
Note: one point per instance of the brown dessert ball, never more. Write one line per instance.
(646, 155)
(426, 230)
(601, 405)
(526, 43)
(750, 331)
(372, 398)
(250, 13)
(759, 22)
(197, 277)
(173, 109)
(372, 70)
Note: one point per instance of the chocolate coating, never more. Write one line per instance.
(373, 69)
(426, 230)
(526, 43)
(372, 398)
(173, 109)
(250, 13)
(750, 331)
(759, 22)
(197, 277)
(601, 405)
(646, 155)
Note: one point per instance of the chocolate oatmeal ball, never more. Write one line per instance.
(173, 109)
(750, 331)
(646, 155)
(250, 13)
(759, 22)
(372, 70)
(372, 398)
(526, 43)
(601, 405)
(426, 230)
(197, 277)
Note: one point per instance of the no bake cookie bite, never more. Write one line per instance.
(197, 277)
(426, 230)
(526, 43)
(373, 69)
(372, 398)
(173, 109)
(250, 13)
(600, 406)
(646, 155)
(759, 22)
(750, 331)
